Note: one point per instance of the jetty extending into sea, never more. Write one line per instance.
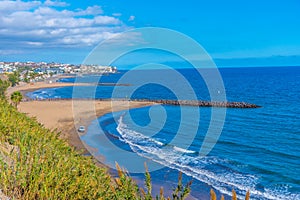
(200, 103)
(196, 103)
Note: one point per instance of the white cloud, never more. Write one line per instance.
(74, 39)
(55, 3)
(9, 6)
(37, 24)
(125, 39)
(92, 10)
(131, 18)
(35, 43)
(106, 20)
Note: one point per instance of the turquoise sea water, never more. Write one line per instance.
(258, 149)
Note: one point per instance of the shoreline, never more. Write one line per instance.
(29, 87)
(24, 88)
(59, 115)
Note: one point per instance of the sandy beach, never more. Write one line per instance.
(62, 115)
(59, 115)
(26, 87)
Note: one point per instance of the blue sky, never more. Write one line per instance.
(233, 32)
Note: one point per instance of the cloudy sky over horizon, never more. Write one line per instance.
(66, 31)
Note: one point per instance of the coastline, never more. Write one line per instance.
(28, 87)
(59, 116)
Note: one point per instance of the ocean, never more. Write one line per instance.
(257, 149)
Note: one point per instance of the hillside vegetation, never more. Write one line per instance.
(36, 164)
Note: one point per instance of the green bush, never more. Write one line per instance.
(3, 86)
(44, 166)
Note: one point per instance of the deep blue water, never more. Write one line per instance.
(258, 149)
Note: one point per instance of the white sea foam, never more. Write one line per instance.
(130, 135)
(181, 159)
(183, 150)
